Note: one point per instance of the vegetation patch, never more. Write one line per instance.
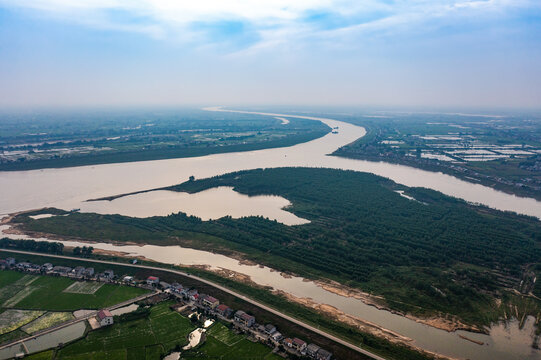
(362, 234)
(160, 333)
(47, 293)
(13, 319)
(46, 321)
(83, 287)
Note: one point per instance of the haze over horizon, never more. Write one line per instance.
(320, 52)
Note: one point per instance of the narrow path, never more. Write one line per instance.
(219, 287)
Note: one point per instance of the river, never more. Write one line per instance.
(69, 187)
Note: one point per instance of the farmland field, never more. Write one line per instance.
(216, 349)
(13, 319)
(48, 293)
(46, 321)
(158, 334)
(83, 287)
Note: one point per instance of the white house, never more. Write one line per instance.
(105, 317)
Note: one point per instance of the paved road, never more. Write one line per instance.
(217, 286)
(76, 320)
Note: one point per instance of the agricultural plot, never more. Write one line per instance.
(13, 319)
(83, 287)
(46, 321)
(49, 293)
(12, 301)
(242, 350)
(223, 334)
(11, 283)
(154, 336)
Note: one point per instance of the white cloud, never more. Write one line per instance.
(274, 21)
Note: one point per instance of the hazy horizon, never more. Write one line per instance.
(415, 55)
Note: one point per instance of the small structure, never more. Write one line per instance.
(61, 270)
(153, 280)
(89, 272)
(128, 279)
(105, 317)
(288, 342)
(78, 271)
(10, 261)
(47, 267)
(164, 285)
(277, 336)
(176, 287)
(109, 274)
(270, 329)
(3, 264)
(323, 354)
(224, 310)
(244, 319)
(23, 265)
(299, 344)
(210, 301)
(192, 295)
(312, 349)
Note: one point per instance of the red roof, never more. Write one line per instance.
(211, 299)
(102, 314)
(153, 278)
(222, 307)
(298, 341)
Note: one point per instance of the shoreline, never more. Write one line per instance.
(326, 284)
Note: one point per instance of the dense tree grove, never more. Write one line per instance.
(32, 245)
(435, 251)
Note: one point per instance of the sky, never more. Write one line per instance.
(418, 53)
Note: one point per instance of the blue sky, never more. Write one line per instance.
(308, 52)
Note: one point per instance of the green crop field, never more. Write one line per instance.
(48, 293)
(83, 287)
(223, 344)
(156, 335)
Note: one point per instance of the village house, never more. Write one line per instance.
(164, 285)
(277, 336)
(23, 265)
(192, 295)
(61, 270)
(3, 264)
(243, 318)
(323, 354)
(128, 279)
(270, 329)
(105, 317)
(223, 310)
(312, 349)
(176, 287)
(109, 274)
(288, 342)
(299, 344)
(78, 271)
(153, 280)
(10, 261)
(47, 267)
(89, 272)
(210, 301)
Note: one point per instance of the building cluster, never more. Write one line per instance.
(241, 319)
(79, 272)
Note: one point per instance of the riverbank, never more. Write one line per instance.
(323, 309)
